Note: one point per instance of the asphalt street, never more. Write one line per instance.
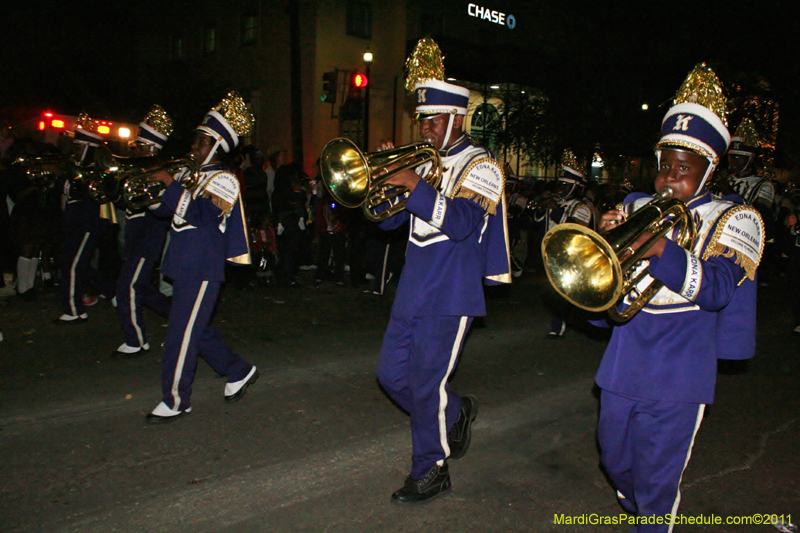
(315, 446)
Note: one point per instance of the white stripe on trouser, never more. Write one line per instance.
(462, 327)
(383, 270)
(72, 275)
(677, 502)
(187, 336)
(132, 296)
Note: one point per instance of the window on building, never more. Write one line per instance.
(248, 29)
(486, 123)
(210, 39)
(359, 19)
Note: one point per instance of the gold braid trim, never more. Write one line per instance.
(716, 249)
(487, 204)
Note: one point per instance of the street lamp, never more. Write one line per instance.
(367, 64)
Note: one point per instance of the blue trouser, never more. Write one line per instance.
(76, 257)
(417, 358)
(644, 447)
(135, 291)
(189, 335)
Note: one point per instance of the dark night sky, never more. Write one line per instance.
(610, 56)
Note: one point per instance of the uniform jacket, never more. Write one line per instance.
(454, 241)
(202, 236)
(578, 209)
(705, 311)
(754, 188)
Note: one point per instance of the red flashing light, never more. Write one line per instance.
(48, 114)
(57, 124)
(103, 130)
(42, 125)
(359, 80)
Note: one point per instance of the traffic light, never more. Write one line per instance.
(358, 81)
(330, 82)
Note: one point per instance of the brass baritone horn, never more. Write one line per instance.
(139, 191)
(595, 271)
(350, 174)
(44, 170)
(128, 178)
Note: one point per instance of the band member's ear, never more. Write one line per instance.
(458, 121)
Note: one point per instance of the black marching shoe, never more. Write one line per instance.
(435, 482)
(235, 391)
(164, 415)
(459, 436)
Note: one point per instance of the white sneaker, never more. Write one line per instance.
(796, 330)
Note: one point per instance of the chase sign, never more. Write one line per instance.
(497, 17)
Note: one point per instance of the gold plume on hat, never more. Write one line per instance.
(748, 134)
(235, 111)
(159, 120)
(85, 122)
(424, 63)
(569, 160)
(704, 88)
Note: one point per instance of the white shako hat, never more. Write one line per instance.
(697, 122)
(228, 121)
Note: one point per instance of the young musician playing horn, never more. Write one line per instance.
(457, 241)
(145, 234)
(659, 370)
(208, 229)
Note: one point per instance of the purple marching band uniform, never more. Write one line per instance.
(659, 370)
(202, 238)
(455, 244)
(208, 229)
(83, 226)
(145, 234)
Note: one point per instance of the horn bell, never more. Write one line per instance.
(345, 171)
(594, 271)
(356, 179)
(582, 267)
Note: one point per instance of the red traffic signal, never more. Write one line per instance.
(359, 80)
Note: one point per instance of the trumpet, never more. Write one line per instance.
(595, 272)
(350, 174)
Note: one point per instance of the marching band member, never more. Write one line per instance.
(208, 228)
(755, 190)
(145, 234)
(659, 370)
(82, 225)
(568, 204)
(457, 238)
